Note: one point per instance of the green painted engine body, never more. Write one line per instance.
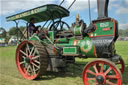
(77, 47)
(84, 46)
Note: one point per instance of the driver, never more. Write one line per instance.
(32, 28)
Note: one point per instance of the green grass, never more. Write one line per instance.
(122, 50)
(9, 74)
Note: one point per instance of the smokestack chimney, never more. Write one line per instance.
(102, 8)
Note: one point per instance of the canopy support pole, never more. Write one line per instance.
(17, 30)
(71, 4)
(27, 30)
(61, 3)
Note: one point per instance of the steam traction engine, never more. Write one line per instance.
(51, 49)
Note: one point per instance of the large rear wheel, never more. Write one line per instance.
(106, 73)
(31, 59)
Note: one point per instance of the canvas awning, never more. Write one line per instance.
(42, 13)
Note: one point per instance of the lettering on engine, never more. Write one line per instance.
(103, 25)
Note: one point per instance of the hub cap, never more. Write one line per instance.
(100, 79)
(27, 60)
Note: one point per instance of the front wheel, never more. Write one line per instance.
(31, 59)
(106, 73)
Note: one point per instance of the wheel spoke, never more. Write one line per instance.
(28, 48)
(95, 68)
(23, 53)
(27, 51)
(37, 61)
(101, 70)
(35, 65)
(23, 57)
(110, 83)
(92, 79)
(111, 77)
(98, 67)
(89, 71)
(34, 52)
(36, 57)
(108, 71)
(22, 62)
(27, 71)
(34, 70)
(31, 70)
(31, 51)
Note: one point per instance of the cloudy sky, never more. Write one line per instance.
(118, 9)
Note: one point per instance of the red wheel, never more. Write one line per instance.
(120, 64)
(109, 74)
(31, 59)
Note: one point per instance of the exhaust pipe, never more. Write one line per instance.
(102, 9)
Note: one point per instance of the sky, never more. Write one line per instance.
(118, 9)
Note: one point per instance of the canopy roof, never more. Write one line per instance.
(42, 13)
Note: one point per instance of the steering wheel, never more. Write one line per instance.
(59, 26)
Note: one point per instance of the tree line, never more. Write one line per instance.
(12, 32)
(123, 32)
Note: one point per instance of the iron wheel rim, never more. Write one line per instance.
(107, 77)
(122, 65)
(27, 70)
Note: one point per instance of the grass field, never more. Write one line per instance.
(9, 74)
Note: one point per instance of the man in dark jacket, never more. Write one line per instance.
(32, 28)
